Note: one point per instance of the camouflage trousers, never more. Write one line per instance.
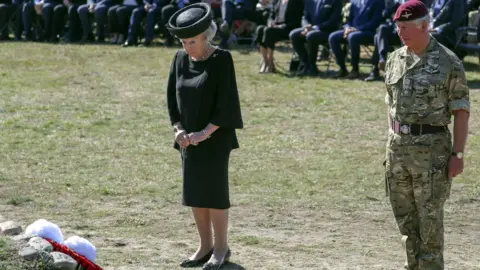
(417, 183)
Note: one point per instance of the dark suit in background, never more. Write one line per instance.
(8, 8)
(325, 16)
(99, 12)
(118, 18)
(234, 10)
(279, 30)
(386, 37)
(448, 15)
(74, 30)
(365, 16)
(138, 14)
(473, 5)
(53, 14)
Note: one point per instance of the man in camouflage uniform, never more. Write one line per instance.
(425, 85)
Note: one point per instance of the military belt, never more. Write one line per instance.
(416, 129)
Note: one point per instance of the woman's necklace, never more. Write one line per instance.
(207, 52)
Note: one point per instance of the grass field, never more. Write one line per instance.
(85, 142)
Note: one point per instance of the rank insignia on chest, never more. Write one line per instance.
(432, 63)
(431, 69)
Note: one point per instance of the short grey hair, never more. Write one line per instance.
(210, 32)
(420, 21)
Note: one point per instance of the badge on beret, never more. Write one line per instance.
(410, 10)
(406, 15)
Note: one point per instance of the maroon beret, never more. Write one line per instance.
(410, 10)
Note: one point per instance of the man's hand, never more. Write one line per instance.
(67, 3)
(147, 7)
(38, 8)
(91, 8)
(455, 167)
(306, 29)
(348, 30)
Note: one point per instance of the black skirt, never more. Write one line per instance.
(205, 177)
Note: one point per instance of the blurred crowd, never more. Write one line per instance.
(338, 28)
(341, 29)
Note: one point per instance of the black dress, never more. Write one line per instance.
(199, 93)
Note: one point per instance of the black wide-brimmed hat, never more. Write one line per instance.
(190, 21)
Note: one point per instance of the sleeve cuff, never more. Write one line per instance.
(315, 27)
(459, 104)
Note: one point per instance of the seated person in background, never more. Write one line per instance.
(118, 16)
(264, 7)
(448, 15)
(285, 16)
(364, 18)
(241, 28)
(8, 8)
(152, 10)
(216, 6)
(469, 34)
(53, 15)
(74, 30)
(99, 9)
(346, 11)
(474, 14)
(30, 12)
(167, 12)
(385, 38)
(320, 18)
(84, 14)
(234, 10)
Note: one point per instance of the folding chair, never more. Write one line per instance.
(364, 48)
(468, 40)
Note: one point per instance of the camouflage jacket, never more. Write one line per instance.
(425, 89)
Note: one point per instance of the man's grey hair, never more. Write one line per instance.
(420, 21)
(210, 32)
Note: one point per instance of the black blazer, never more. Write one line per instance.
(209, 98)
(329, 17)
(473, 5)
(451, 16)
(293, 14)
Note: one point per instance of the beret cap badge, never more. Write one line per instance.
(410, 10)
(406, 15)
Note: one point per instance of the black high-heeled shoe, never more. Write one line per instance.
(216, 266)
(196, 263)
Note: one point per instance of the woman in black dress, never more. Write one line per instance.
(204, 109)
(285, 16)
